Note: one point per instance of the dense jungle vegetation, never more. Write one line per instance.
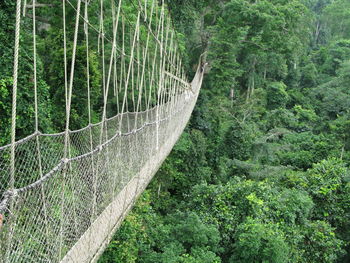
(262, 172)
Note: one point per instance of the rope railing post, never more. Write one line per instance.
(93, 169)
(36, 110)
(68, 110)
(126, 86)
(151, 81)
(160, 83)
(172, 71)
(115, 77)
(140, 93)
(112, 64)
(164, 80)
(145, 55)
(13, 118)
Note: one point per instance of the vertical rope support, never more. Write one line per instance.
(175, 89)
(136, 108)
(37, 118)
(145, 55)
(13, 117)
(174, 72)
(102, 32)
(14, 94)
(114, 49)
(161, 73)
(35, 70)
(126, 88)
(25, 7)
(130, 65)
(115, 94)
(66, 101)
(65, 51)
(139, 88)
(164, 80)
(112, 65)
(100, 48)
(68, 109)
(133, 82)
(123, 67)
(86, 30)
(103, 130)
(170, 69)
(179, 88)
(153, 63)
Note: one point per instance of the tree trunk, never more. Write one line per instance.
(251, 85)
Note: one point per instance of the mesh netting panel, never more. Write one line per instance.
(67, 211)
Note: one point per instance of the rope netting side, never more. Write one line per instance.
(63, 194)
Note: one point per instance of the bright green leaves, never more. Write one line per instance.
(321, 244)
(264, 222)
(259, 242)
(132, 235)
(326, 177)
(327, 184)
(179, 237)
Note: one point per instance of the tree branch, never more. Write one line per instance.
(41, 19)
(40, 5)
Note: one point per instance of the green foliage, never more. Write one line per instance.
(336, 16)
(55, 77)
(277, 97)
(280, 118)
(304, 149)
(248, 53)
(328, 184)
(340, 128)
(257, 242)
(237, 141)
(332, 97)
(132, 233)
(321, 243)
(25, 98)
(309, 75)
(179, 237)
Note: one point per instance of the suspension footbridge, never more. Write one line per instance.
(63, 195)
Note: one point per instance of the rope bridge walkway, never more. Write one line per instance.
(63, 195)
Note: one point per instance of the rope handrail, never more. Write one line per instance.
(68, 160)
(36, 133)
